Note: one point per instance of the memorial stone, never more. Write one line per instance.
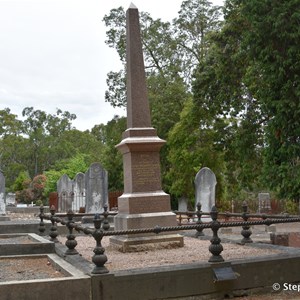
(96, 180)
(143, 203)
(65, 193)
(2, 195)
(78, 192)
(182, 204)
(10, 199)
(205, 183)
(264, 203)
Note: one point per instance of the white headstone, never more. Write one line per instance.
(182, 204)
(79, 192)
(2, 194)
(65, 193)
(264, 204)
(96, 179)
(10, 198)
(205, 184)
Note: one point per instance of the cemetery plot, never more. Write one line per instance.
(28, 268)
(20, 244)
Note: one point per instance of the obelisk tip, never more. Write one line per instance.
(132, 6)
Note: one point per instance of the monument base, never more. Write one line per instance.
(134, 243)
(142, 221)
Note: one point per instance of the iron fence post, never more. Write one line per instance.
(105, 225)
(99, 258)
(215, 248)
(42, 226)
(246, 232)
(199, 222)
(53, 229)
(71, 243)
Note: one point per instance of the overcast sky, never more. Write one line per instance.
(53, 55)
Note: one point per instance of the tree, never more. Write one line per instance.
(42, 130)
(224, 83)
(76, 164)
(258, 50)
(22, 181)
(273, 42)
(9, 124)
(196, 21)
(111, 158)
(191, 152)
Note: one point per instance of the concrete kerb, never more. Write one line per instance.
(198, 279)
(35, 244)
(76, 285)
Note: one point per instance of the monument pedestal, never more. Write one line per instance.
(131, 243)
(145, 210)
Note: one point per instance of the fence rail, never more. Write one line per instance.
(98, 232)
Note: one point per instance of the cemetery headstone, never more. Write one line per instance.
(65, 193)
(205, 184)
(96, 180)
(2, 194)
(264, 203)
(79, 192)
(10, 199)
(182, 204)
(143, 203)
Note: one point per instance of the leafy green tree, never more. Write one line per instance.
(258, 99)
(111, 159)
(273, 42)
(196, 21)
(230, 105)
(9, 124)
(191, 152)
(76, 164)
(22, 181)
(42, 130)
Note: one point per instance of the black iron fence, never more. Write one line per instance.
(101, 229)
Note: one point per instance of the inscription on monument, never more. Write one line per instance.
(146, 172)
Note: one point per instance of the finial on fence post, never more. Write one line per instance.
(246, 232)
(53, 229)
(99, 258)
(105, 225)
(71, 243)
(42, 226)
(199, 222)
(215, 248)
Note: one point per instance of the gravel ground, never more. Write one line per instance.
(194, 250)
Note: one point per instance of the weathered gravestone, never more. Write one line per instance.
(10, 199)
(65, 193)
(182, 204)
(96, 184)
(143, 203)
(2, 194)
(78, 192)
(264, 203)
(205, 184)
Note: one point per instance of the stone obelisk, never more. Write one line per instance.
(143, 204)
